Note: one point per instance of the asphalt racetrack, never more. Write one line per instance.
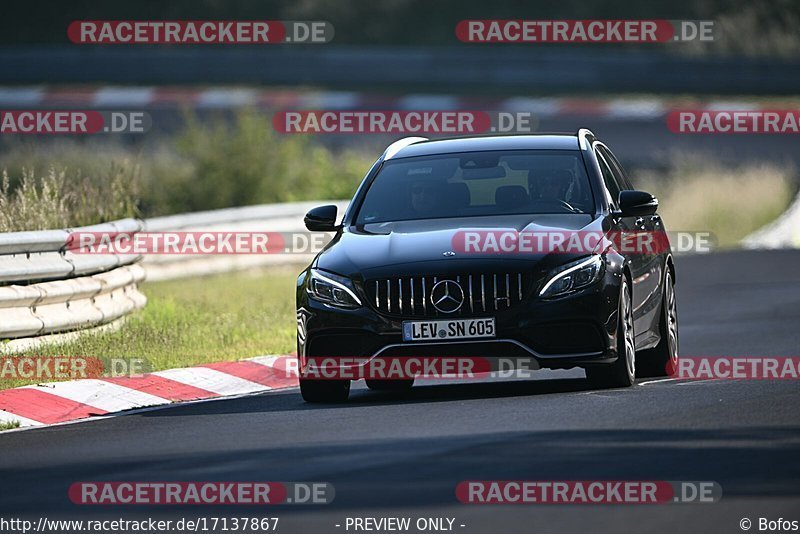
(404, 457)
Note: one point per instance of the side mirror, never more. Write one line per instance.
(321, 219)
(637, 203)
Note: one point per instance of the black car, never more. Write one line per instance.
(398, 262)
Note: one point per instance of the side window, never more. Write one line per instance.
(616, 167)
(610, 180)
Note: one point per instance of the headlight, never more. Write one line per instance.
(332, 289)
(573, 276)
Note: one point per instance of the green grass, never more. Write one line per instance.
(8, 425)
(198, 320)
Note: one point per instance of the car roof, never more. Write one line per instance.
(476, 144)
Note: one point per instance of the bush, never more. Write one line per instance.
(215, 164)
(62, 199)
(222, 164)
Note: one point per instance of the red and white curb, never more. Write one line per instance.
(61, 402)
(631, 108)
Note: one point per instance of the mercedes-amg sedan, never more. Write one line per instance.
(533, 247)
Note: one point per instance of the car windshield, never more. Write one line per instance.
(478, 184)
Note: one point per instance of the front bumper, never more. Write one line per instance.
(575, 330)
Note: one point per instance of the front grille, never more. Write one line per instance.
(411, 296)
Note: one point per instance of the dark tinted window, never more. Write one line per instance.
(609, 179)
(617, 168)
(478, 184)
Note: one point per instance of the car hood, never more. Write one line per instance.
(411, 247)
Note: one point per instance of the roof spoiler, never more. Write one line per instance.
(400, 144)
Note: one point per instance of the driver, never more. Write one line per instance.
(552, 185)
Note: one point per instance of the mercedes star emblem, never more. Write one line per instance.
(447, 296)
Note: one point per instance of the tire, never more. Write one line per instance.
(662, 360)
(621, 373)
(391, 385)
(324, 390)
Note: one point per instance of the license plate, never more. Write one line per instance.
(448, 329)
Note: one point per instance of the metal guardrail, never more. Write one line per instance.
(46, 290)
